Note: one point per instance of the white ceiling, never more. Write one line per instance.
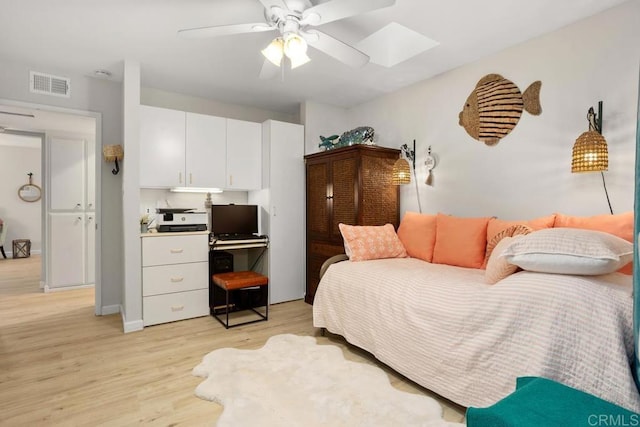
(85, 35)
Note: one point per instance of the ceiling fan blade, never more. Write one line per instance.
(224, 30)
(337, 49)
(268, 4)
(338, 9)
(269, 71)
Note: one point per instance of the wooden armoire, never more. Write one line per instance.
(350, 185)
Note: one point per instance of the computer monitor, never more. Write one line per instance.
(234, 219)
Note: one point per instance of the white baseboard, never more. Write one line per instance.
(136, 325)
(10, 253)
(110, 309)
(48, 289)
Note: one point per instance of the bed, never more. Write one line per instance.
(443, 327)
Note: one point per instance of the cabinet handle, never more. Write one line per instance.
(79, 218)
(190, 178)
(78, 205)
(329, 197)
(230, 179)
(177, 307)
(89, 205)
(176, 251)
(90, 218)
(179, 177)
(177, 279)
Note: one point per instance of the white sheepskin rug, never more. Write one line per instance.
(292, 381)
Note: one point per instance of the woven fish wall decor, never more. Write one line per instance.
(494, 108)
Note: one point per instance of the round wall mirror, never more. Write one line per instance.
(30, 193)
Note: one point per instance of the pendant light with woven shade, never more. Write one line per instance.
(590, 153)
(402, 169)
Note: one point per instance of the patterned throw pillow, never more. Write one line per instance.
(497, 266)
(514, 230)
(363, 243)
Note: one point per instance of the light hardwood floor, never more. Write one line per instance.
(62, 365)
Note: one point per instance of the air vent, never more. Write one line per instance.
(49, 85)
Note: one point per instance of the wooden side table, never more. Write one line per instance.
(21, 248)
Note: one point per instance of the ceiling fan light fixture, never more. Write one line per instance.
(274, 51)
(299, 60)
(295, 47)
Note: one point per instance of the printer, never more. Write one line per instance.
(176, 220)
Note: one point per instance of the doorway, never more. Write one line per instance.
(49, 124)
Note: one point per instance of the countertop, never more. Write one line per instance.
(181, 233)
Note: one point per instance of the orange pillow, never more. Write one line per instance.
(620, 225)
(363, 243)
(460, 241)
(417, 232)
(496, 225)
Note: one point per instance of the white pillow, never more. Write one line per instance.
(569, 251)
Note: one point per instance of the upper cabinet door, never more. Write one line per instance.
(67, 165)
(244, 155)
(206, 151)
(162, 147)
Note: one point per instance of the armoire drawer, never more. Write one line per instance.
(173, 249)
(176, 306)
(164, 279)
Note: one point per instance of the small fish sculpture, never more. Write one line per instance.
(359, 135)
(494, 108)
(327, 143)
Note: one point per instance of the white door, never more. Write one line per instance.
(162, 156)
(67, 168)
(244, 155)
(90, 253)
(67, 249)
(287, 212)
(206, 151)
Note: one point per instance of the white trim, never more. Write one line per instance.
(48, 289)
(110, 309)
(136, 325)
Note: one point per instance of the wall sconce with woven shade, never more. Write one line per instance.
(113, 153)
(590, 153)
(402, 169)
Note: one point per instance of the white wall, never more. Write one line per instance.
(176, 101)
(528, 173)
(20, 155)
(322, 120)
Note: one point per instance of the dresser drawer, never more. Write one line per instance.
(174, 249)
(164, 279)
(177, 306)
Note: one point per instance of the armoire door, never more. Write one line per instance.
(344, 193)
(318, 194)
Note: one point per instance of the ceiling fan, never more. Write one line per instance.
(293, 20)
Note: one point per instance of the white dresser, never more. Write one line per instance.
(175, 271)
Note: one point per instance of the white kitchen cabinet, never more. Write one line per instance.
(67, 164)
(162, 147)
(175, 276)
(206, 151)
(244, 155)
(283, 202)
(179, 149)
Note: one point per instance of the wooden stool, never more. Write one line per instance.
(21, 248)
(239, 280)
